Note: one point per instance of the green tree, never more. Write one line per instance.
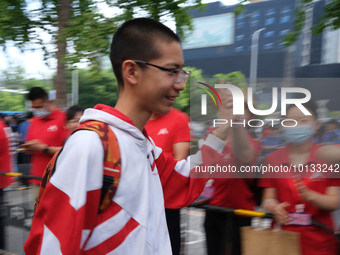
(236, 78)
(330, 19)
(15, 78)
(78, 28)
(12, 102)
(102, 88)
(183, 101)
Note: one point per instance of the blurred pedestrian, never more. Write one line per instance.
(331, 133)
(223, 229)
(73, 115)
(46, 133)
(5, 166)
(24, 158)
(272, 141)
(311, 194)
(171, 132)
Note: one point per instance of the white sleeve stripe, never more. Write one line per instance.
(215, 143)
(84, 236)
(108, 229)
(50, 244)
(183, 167)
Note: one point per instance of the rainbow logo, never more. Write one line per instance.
(210, 94)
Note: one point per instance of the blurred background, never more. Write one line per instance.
(63, 47)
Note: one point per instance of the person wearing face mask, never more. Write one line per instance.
(302, 195)
(45, 135)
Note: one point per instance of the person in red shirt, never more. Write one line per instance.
(5, 166)
(171, 132)
(46, 133)
(222, 229)
(312, 193)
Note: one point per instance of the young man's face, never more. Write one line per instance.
(157, 89)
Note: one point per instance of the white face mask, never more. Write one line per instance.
(298, 134)
(41, 113)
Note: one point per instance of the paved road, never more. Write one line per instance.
(19, 210)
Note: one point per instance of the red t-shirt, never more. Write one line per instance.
(235, 192)
(50, 131)
(169, 129)
(314, 240)
(5, 156)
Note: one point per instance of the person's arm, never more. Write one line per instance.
(329, 154)
(68, 208)
(243, 150)
(270, 203)
(271, 147)
(328, 201)
(182, 181)
(36, 145)
(181, 137)
(181, 150)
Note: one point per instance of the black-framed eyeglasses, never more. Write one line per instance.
(179, 75)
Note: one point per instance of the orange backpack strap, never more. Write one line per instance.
(111, 166)
(49, 170)
(112, 160)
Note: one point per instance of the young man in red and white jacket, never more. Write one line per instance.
(147, 60)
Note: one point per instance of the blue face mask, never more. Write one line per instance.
(41, 113)
(298, 134)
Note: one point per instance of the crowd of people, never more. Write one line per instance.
(152, 173)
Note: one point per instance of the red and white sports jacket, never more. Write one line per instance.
(67, 219)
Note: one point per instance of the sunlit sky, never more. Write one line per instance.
(33, 62)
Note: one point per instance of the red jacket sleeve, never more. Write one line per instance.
(181, 181)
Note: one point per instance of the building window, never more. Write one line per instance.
(270, 12)
(240, 17)
(282, 44)
(285, 10)
(270, 21)
(239, 48)
(255, 23)
(255, 15)
(239, 37)
(239, 25)
(269, 34)
(285, 19)
(268, 46)
(283, 32)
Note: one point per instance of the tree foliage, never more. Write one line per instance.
(329, 20)
(78, 29)
(236, 78)
(97, 89)
(12, 102)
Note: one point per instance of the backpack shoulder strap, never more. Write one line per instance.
(49, 170)
(112, 160)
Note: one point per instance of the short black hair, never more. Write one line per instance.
(310, 106)
(73, 110)
(37, 93)
(137, 39)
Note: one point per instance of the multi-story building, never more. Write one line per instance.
(222, 42)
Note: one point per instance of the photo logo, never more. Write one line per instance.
(239, 106)
(238, 100)
(204, 97)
